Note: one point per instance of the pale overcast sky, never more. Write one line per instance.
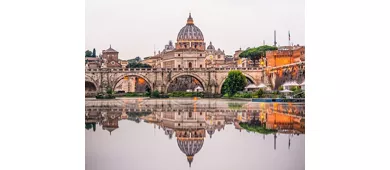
(134, 27)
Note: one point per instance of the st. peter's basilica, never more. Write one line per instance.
(189, 51)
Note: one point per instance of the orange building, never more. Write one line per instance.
(285, 55)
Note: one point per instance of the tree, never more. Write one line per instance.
(88, 126)
(138, 65)
(94, 53)
(88, 53)
(110, 91)
(138, 59)
(234, 82)
(294, 88)
(156, 94)
(260, 93)
(256, 53)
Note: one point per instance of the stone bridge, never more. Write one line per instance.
(211, 79)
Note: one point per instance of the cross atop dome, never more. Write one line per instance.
(190, 20)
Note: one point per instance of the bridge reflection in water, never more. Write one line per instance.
(190, 121)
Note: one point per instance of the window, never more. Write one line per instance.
(200, 67)
(178, 55)
(179, 67)
(201, 55)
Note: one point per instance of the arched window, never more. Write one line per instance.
(178, 66)
(190, 65)
(200, 66)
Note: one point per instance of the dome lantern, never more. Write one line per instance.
(190, 21)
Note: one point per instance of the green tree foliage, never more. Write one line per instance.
(147, 89)
(138, 59)
(156, 94)
(134, 60)
(294, 88)
(234, 82)
(257, 128)
(256, 53)
(260, 93)
(110, 91)
(88, 53)
(88, 126)
(135, 63)
(235, 106)
(138, 65)
(298, 93)
(94, 53)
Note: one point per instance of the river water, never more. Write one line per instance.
(193, 133)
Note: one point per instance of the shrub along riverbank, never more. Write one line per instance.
(134, 94)
(157, 94)
(297, 93)
(185, 94)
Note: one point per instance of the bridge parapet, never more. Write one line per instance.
(191, 69)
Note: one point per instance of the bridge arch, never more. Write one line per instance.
(132, 75)
(90, 87)
(201, 81)
(90, 81)
(251, 78)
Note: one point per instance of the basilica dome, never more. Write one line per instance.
(190, 147)
(190, 32)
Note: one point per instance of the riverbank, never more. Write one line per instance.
(277, 100)
(233, 98)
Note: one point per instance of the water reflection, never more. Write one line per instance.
(189, 122)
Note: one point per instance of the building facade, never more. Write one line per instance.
(110, 58)
(285, 55)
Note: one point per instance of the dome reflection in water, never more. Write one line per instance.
(226, 134)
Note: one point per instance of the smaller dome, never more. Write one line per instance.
(211, 47)
(211, 132)
(111, 50)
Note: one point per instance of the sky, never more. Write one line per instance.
(137, 28)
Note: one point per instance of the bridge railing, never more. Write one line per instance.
(188, 69)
